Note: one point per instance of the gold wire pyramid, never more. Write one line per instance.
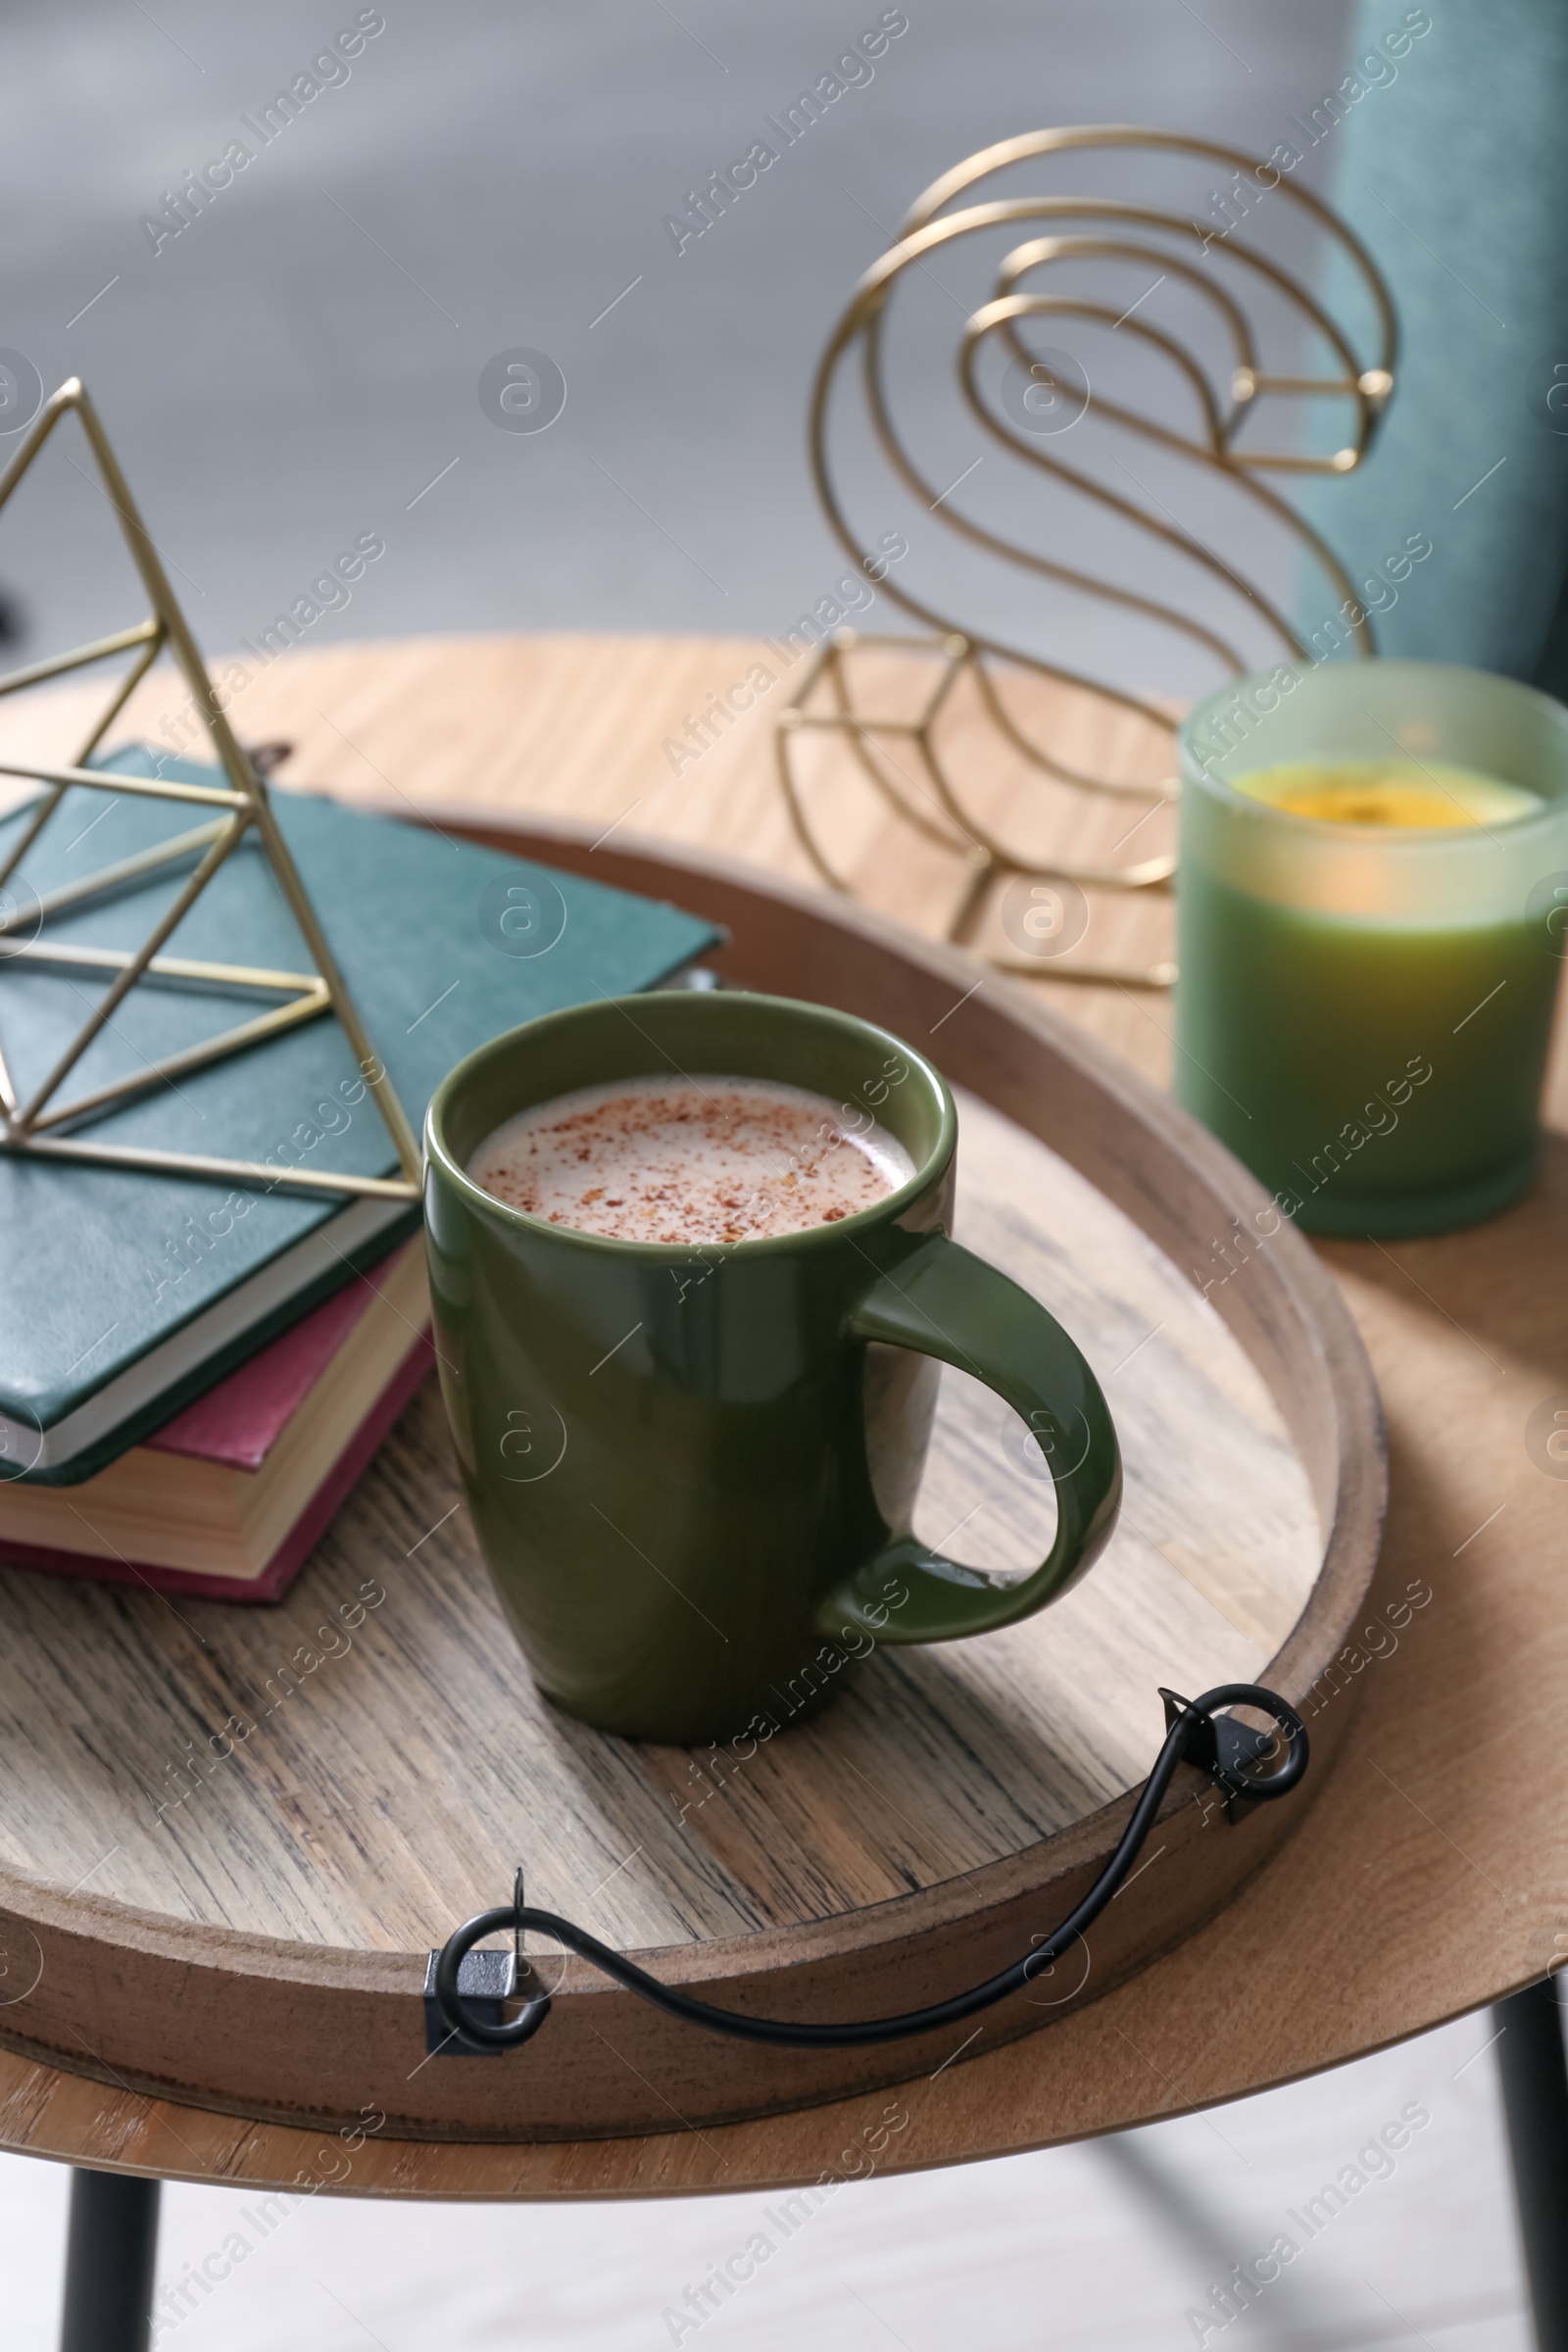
(32, 1127)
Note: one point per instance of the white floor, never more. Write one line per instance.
(1116, 2244)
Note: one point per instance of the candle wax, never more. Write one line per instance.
(1359, 1060)
(1425, 795)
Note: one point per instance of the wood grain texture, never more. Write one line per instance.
(279, 1851)
(939, 1761)
(1380, 1918)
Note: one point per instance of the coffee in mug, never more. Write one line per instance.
(697, 1160)
(691, 1462)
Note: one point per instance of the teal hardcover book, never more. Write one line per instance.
(122, 1295)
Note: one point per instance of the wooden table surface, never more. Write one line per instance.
(1429, 1877)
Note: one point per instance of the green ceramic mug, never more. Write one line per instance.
(692, 1471)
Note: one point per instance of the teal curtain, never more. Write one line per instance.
(1455, 176)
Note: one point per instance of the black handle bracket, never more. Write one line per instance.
(1230, 1752)
(486, 1981)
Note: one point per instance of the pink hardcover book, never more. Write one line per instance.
(227, 1500)
(241, 1419)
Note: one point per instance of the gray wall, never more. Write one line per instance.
(296, 366)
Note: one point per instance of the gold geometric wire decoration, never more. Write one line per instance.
(1227, 388)
(32, 1128)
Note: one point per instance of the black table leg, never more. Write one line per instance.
(1535, 2099)
(110, 2253)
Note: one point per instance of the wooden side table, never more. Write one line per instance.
(1429, 1877)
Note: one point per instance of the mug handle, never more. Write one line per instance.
(943, 1301)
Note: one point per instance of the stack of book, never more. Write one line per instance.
(193, 1376)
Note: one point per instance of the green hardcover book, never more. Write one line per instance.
(125, 1295)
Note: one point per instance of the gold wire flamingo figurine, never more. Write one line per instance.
(1228, 383)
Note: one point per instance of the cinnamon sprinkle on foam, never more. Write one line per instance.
(687, 1161)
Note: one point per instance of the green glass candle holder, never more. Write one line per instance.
(1363, 1013)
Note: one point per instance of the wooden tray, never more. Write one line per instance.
(231, 1836)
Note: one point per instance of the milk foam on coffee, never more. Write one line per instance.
(690, 1160)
